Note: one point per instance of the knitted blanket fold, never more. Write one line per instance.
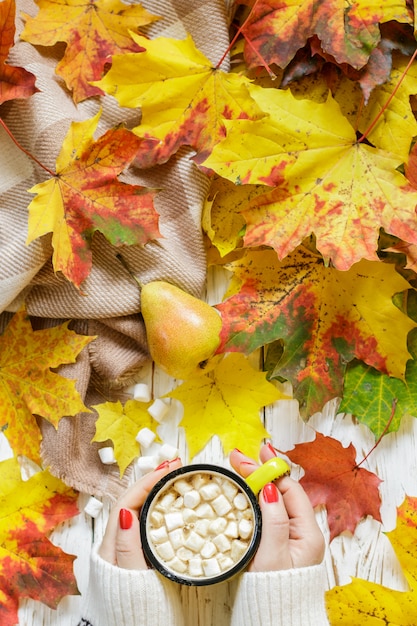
(108, 305)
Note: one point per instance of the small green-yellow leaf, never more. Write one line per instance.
(121, 424)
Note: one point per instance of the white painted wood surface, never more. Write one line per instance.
(367, 554)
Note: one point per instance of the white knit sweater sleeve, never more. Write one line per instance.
(293, 597)
(121, 597)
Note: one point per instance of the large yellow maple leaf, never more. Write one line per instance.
(30, 565)
(93, 30)
(184, 100)
(370, 604)
(323, 180)
(226, 403)
(121, 423)
(28, 387)
(85, 195)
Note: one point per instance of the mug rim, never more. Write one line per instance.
(158, 564)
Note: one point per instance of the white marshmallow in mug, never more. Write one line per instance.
(208, 521)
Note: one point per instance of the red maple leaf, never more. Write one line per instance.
(333, 478)
(15, 82)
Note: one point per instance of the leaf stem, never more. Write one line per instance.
(13, 138)
(384, 108)
(123, 261)
(387, 425)
(233, 41)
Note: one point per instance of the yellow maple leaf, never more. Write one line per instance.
(183, 99)
(222, 219)
(324, 181)
(28, 387)
(85, 195)
(370, 604)
(94, 30)
(226, 403)
(121, 424)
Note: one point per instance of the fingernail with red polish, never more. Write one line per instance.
(162, 465)
(125, 519)
(270, 493)
(166, 463)
(271, 448)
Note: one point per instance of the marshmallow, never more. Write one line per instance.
(145, 437)
(194, 541)
(159, 535)
(221, 505)
(177, 565)
(93, 507)
(174, 520)
(107, 455)
(176, 538)
(192, 499)
(240, 501)
(211, 567)
(208, 550)
(141, 392)
(195, 567)
(222, 543)
(167, 452)
(158, 409)
(245, 528)
(165, 551)
(210, 491)
(182, 486)
(147, 463)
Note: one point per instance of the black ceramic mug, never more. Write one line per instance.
(201, 524)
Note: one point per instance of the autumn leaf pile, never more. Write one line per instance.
(308, 141)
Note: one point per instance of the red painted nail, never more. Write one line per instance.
(125, 519)
(166, 463)
(163, 464)
(270, 493)
(272, 449)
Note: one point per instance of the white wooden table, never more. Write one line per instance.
(367, 554)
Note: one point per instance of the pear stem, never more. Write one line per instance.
(128, 269)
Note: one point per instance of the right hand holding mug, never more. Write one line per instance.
(291, 536)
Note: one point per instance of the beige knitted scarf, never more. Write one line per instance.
(110, 304)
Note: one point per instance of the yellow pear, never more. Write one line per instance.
(182, 331)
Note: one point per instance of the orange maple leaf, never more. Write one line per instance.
(94, 30)
(28, 387)
(85, 196)
(275, 30)
(15, 82)
(333, 478)
(30, 565)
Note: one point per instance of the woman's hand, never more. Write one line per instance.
(291, 536)
(121, 543)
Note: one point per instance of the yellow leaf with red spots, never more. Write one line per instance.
(30, 565)
(28, 387)
(93, 30)
(184, 100)
(321, 318)
(86, 196)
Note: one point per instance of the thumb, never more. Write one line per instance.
(129, 553)
(273, 552)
